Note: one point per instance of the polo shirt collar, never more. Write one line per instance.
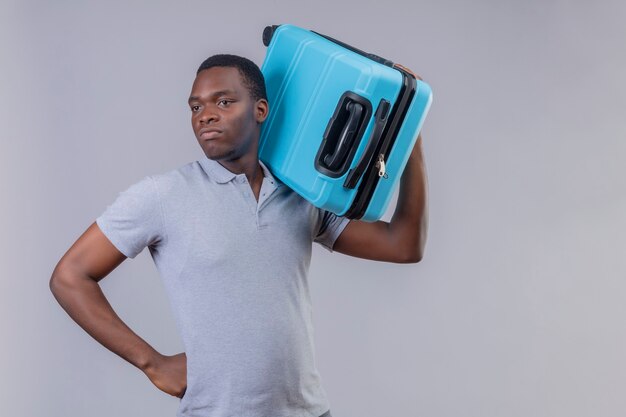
(222, 175)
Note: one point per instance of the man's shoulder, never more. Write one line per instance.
(178, 179)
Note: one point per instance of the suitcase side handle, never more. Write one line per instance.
(343, 134)
(355, 174)
(335, 159)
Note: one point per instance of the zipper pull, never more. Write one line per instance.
(380, 164)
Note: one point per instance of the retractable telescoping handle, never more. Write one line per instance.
(268, 32)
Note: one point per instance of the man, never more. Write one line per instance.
(233, 246)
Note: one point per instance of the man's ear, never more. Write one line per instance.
(261, 108)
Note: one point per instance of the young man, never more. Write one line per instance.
(233, 246)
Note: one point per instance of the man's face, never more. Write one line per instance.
(225, 119)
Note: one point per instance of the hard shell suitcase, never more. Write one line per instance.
(342, 122)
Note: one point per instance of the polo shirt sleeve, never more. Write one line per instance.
(135, 219)
(330, 227)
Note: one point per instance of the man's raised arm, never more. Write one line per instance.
(402, 240)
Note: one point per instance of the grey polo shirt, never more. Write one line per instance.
(235, 271)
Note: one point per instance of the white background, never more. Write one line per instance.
(518, 306)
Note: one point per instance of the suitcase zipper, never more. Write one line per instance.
(400, 108)
(380, 164)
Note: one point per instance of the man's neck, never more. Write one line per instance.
(249, 166)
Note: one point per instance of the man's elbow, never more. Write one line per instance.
(412, 259)
(409, 249)
(411, 256)
(62, 280)
(57, 282)
(417, 257)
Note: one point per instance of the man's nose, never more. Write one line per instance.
(208, 115)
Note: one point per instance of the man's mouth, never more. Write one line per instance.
(209, 133)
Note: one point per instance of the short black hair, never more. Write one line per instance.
(250, 73)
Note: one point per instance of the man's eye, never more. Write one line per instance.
(195, 108)
(223, 103)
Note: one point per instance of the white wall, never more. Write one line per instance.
(518, 306)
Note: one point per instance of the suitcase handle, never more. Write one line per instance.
(355, 174)
(268, 33)
(343, 134)
(335, 159)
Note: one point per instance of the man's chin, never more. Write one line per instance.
(221, 156)
(217, 153)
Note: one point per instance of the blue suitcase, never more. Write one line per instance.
(342, 122)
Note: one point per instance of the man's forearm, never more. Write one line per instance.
(409, 224)
(82, 298)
